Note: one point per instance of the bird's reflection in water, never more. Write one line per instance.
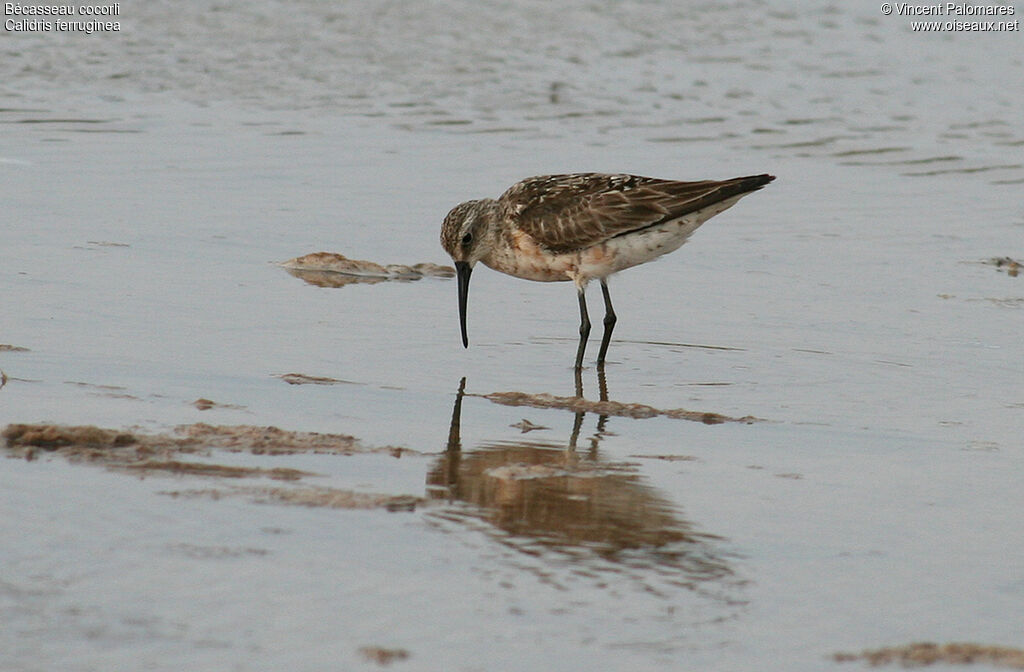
(602, 420)
(553, 501)
(332, 279)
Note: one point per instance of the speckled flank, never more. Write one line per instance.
(624, 252)
(524, 258)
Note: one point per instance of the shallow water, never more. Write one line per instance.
(152, 176)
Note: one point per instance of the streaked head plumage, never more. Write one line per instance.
(464, 228)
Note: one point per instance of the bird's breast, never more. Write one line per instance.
(521, 256)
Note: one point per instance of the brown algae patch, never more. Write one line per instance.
(142, 453)
(329, 269)
(109, 391)
(927, 653)
(53, 437)
(318, 497)
(304, 379)
(217, 470)
(383, 656)
(195, 438)
(335, 498)
(613, 408)
(163, 453)
(260, 440)
(667, 458)
(1008, 265)
(525, 426)
(1011, 266)
(204, 404)
(198, 552)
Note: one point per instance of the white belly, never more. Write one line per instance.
(633, 249)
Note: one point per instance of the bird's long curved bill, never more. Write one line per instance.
(463, 271)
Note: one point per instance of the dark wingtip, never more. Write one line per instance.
(758, 181)
(745, 185)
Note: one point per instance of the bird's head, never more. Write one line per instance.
(463, 237)
(463, 231)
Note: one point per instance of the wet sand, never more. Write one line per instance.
(806, 443)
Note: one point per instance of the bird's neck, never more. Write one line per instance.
(491, 233)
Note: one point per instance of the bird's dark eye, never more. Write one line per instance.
(467, 239)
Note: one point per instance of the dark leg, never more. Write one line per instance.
(609, 323)
(584, 328)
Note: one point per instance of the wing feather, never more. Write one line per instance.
(565, 213)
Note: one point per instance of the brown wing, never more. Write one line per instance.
(570, 212)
